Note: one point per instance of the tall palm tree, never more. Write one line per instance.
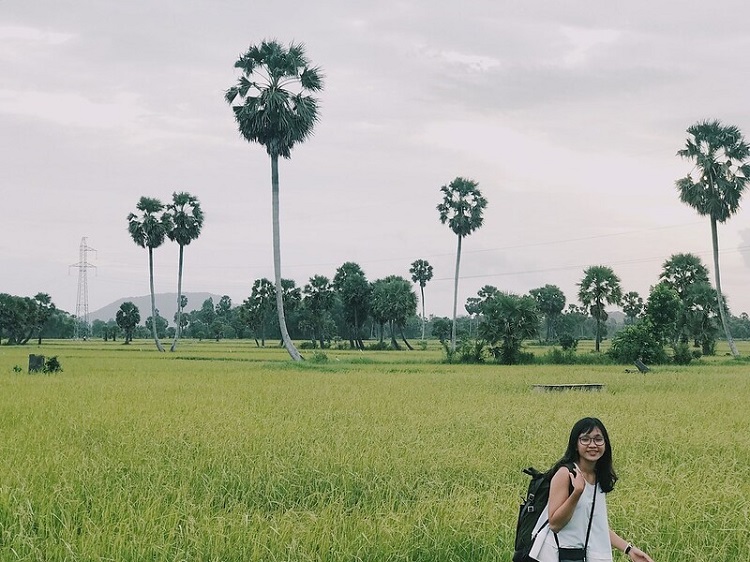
(421, 272)
(187, 220)
(599, 286)
(276, 111)
(462, 209)
(149, 229)
(720, 154)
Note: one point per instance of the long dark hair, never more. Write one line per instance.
(605, 474)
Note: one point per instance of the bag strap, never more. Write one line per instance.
(588, 530)
(591, 518)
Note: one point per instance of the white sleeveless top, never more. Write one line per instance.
(573, 535)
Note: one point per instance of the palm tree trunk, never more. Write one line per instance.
(719, 296)
(153, 298)
(178, 329)
(421, 288)
(288, 344)
(455, 296)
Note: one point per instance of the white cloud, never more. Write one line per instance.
(585, 43)
(21, 34)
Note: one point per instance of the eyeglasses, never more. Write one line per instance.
(587, 439)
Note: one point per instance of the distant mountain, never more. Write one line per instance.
(166, 304)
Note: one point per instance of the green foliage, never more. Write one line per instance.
(269, 112)
(471, 351)
(598, 287)
(638, 341)
(568, 342)
(557, 356)
(662, 310)
(441, 328)
(551, 301)
(681, 354)
(52, 365)
(462, 209)
(319, 357)
(127, 317)
(507, 321)
(720, 155)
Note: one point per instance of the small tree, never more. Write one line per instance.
(507, 320)
(551, 301)
(632, 306)
(127, 318)
(421, 272)
(599, 286)
(662, 310)
(354, 292)
(393, 302)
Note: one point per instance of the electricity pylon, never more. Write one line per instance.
(82, 328)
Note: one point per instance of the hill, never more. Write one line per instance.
(166, 304)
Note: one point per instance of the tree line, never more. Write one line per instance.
(273, 106)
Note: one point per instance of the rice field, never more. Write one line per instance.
(222, 452)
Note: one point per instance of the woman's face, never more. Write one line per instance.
(591, 445)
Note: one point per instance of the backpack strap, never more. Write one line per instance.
(591, 520)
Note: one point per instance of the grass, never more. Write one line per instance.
(222, 451)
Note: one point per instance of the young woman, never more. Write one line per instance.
(577, 506)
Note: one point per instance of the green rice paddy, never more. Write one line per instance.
(223, 452)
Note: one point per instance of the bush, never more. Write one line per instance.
(559, 357)
(379, 346)
(637, 342)
(319, 357)
(52, 365)
(681, 354)
(570, 357)
(471, 351)
(308, 345)
(568, 342)
(467, 351)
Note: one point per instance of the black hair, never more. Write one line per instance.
(605, 474)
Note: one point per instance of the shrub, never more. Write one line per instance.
(319, 357)
(471, 351)
(559, 357)
(378, 346)
(637, 341)
(568, 342)
(681, 354)
(52, 365)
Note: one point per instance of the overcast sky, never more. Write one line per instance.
(568, 114)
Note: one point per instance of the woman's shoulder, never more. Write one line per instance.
(562, 472)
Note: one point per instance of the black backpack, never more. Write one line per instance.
(530, 511)
(531, 508)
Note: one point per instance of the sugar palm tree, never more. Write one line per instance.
(599, 286)
(421, 272)
(276, 111)
(462, 209)
(187, 220)
(149, 229)
(720, 154)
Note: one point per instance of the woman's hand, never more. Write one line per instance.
(637, 555)
(577, 481)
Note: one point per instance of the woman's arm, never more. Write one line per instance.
(562, 502)
(635, 553)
